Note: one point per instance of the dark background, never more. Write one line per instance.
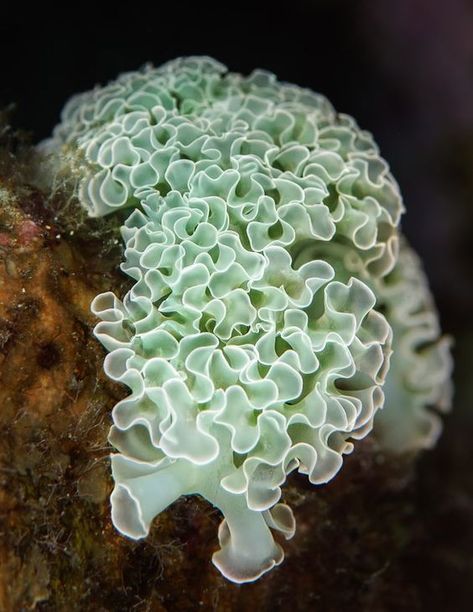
(404, 70)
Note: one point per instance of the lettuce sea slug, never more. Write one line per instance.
(261, 235)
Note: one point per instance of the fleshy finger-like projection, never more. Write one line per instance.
(261, 222)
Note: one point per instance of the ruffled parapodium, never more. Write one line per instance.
(260, 221)
(418, 386)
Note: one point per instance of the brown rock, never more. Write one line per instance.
(359, 539)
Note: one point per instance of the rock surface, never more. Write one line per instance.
(383, 535)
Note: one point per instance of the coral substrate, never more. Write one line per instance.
(381, 536)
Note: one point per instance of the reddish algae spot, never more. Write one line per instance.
(28, 231)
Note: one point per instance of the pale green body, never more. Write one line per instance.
(261, 223)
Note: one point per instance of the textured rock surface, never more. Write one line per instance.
(377, 538)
